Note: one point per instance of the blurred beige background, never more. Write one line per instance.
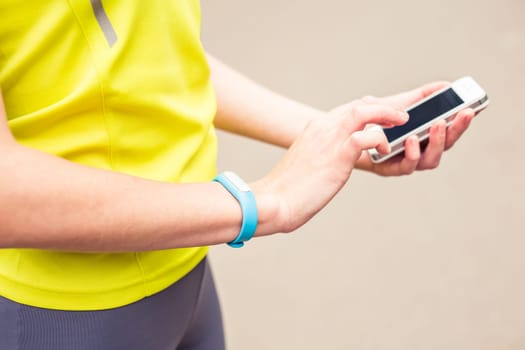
(430, 261)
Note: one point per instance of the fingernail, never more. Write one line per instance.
(403, 115)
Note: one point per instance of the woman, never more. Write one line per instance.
(107, 159)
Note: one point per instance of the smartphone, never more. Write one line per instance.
(443, 104)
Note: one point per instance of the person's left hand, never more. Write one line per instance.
(441, 138)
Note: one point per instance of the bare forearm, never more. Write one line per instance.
(248, 109)
(48, 202)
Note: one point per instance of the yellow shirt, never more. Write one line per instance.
(120, 85)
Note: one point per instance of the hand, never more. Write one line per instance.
(321, 160)
(441, 138)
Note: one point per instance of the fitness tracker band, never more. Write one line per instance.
(244, 195)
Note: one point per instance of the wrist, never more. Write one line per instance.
(269, 209)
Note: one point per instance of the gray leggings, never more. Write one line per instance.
(185, 316)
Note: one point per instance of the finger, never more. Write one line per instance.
(436, 146)
(366, 139)
(372, 100)
(403, 164)
(408, 98)
(361, 115)
(459, 125)
(428, 89)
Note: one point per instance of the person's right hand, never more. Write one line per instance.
(321, 160)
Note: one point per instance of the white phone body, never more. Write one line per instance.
(443, 104)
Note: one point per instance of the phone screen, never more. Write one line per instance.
(424, 113)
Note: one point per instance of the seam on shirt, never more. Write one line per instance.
(141, 268)
(73, 293)
(105, 113)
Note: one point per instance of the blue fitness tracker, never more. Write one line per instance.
(244, 195)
